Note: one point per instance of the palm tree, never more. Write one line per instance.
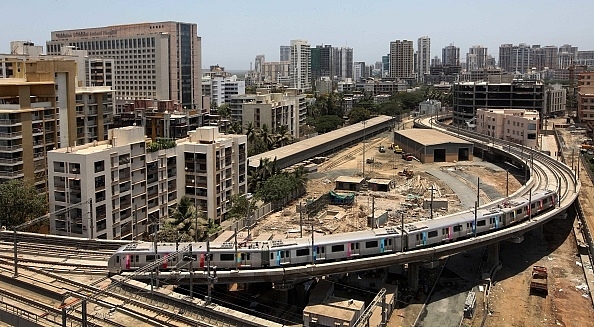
(300, 177)
(236, 128)
(266, 137)
(282, 137)
(250, 131)
(186, 219)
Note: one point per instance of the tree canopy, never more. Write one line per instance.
(20, 202)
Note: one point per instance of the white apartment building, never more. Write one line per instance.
(214, 167)
(516, 125)
(132, 189)
(271, 109)
(220, 89)
(423, 56)
(129, 187)
(300, 65)
(429, 107)
(555, 100)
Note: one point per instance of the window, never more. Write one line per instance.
(458, 228)
(245, 256)
(370, 244)
(354, 246)
(338, 248)
(302, 252)
(481, 223)
(58, 166)
(150, 258)
(432, 233)
(227, 257)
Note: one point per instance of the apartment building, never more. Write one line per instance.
(130, 188)
(476, 58)
(342, 63)
(271, 109)
(220, 89)
(300, 65)
(401, 59)
(423, 56)
(214, 167)
(515, 125)
(159, 60)
(585, 98)
(450, 55)
(555, 100)
(515, 94)
(321, 62)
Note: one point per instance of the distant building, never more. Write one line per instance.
(159, 60)
(476, 58)
(555, 100)
(271, 109)
(515, 125)
(321, 62)
(515, 58)
(342, 63)
(503, 94)
(285, 53)
(585, 98)
(428, 107)
(220, 89)
(401, 59)
(300, 66)
(423, 56)
(450, 55)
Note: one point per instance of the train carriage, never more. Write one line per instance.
(263, 253)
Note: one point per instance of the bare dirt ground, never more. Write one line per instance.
(510, 301)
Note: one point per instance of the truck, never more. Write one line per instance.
(538, 283)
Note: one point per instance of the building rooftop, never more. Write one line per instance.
(22, 81)
(349, 179)
(300, 146)
(430, 137)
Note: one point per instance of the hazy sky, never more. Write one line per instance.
(234, 32)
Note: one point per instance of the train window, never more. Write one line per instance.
(443, 231)
(467, 225)
(338, 248)
(302, 252)
(432, 233)
(519, 211)
(533, 205)
(288, 256)
(227, 257)
(390, 241)
(282, 253)
(499, 218)
(370, 244)
(245, 256)
(137, 259)
(545, 200)
(354, 246)
(458, 228)
(271, 256)
(481, 222)
(150, 258)
(418, 237)
(117, 259)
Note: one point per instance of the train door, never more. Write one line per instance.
(128, 261)
(245, 259)
(420, 239)
(283, 257)
(319, 253)
(446, 234)
(389, 244)
(352, 249)
(265, 257)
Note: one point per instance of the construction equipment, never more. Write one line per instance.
(370, 160)
(539, 280)
(406, 155)
(382, 149)
(396, 148)
(406, 172)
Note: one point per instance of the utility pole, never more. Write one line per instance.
(364, 123)
(374, 224)
(530, 205)
(402, 230)
(91, 218)
(237, 261)
(475, 216)
(301, 219)
(191, 273)
(431, 203)
(313, 248)
(507, 182)
(134, 219)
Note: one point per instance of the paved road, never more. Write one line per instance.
(445, 307)
(466, 194)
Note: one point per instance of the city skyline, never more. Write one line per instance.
(226, 35)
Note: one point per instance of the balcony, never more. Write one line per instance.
(11, 161)
(10, 135)
(16, 173)
(8, 122)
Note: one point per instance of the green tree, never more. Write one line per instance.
(358, 114)
(187, 221)
(328, 123)
(20, 202)
(242, 206)
(224, 111)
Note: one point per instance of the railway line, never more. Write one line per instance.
(113, 307)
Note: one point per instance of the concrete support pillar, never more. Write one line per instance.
(538, 232)
(413, 276)
(493, 254)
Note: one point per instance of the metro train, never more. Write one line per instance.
(334, 247)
